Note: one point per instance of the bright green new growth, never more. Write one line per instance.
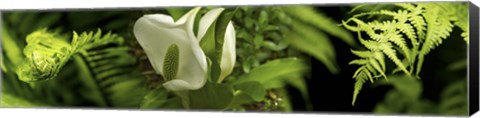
(405, 36)
(45, 55)
(170, 62)
(103, 63)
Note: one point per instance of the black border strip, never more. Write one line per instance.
(473, 62)
(1, 52)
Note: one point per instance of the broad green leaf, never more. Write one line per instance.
(212, 96)
(9, 100)
(253, 89)
(2, 64)
(239, 98)
(276, 83)
(313, 42)
(273, 70)
(309, 15)
(173, 103)
(246, 93)
(11, 48)
(154, 99)
(300, 84)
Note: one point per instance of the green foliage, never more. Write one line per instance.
(9, 100)
(12, 49)
(45, 68)
(454, 99)
(405, 33)
(306, 34)
(154, 99)
(254, 90)
(212, 42)
(103, 78)
(406, 97)
(261, 38)
(106, 73)
(310, 16)
(45, 55)
(13, 31)
(271, 32)
(271, 75)
(210, 97)
(262, 74)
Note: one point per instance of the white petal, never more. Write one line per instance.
(155, 33)
(188, 19)
(229, 52)
(207, 20)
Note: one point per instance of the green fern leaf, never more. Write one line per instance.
(45, 55)
(108, 73)
(358, 87)
(423, 25)
(104, 64)
(360, 61)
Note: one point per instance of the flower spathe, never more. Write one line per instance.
(229, 52)
(157, 33)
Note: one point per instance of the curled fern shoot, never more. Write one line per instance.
(45, 55)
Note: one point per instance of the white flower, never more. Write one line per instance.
(158, 33)
(229, 52)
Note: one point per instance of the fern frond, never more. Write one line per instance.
(381, 59)
(439, 24)
(462, 21)
(359, 62)
(423, 25)
(361, 76)
(108, 74)
(45, 55)
(104, 64)
(372, 66)
(358, 86)
(388, 50)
